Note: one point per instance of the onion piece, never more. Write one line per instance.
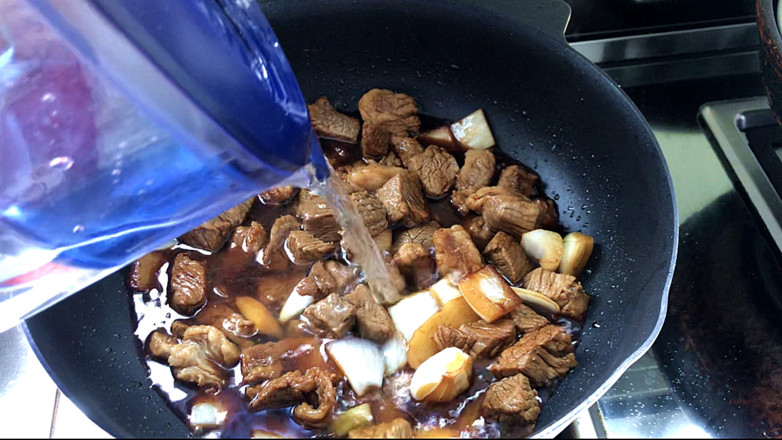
(543, 246)
(394, 354)
(444, 290)
(412, 311)
(295, 305)
(361, 361)
(442, 377)
(576, 250)
(442, 137)
(353, 418)
(472, 132)
(255, 311)
(536, 300)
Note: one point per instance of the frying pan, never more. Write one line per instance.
(770, 53)
(548, 107)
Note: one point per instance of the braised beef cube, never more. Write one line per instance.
(420, 235)
(404, 126)
(375, 138)
(188, 284)
(406, 148)
(371, 210)
(316, 216)
(379, 105)
(527, 320)
(330, 123)
(397, 428)
(437, 170)
(331, 317)
(144, 271)
(159, 345)
(250, 239)
(203, 357)
(234, 325)
(211, 235)
(370, 177)
(478, 338)
(325, 278)
(563, 289)
(551, 218)
(480, 232)
(404, 200)
(507, 255)
(280, 195)
(459, 199)
(478, 169)
(384, 240)
(274, 258)
(179, 326)
(390, 160)
(306, 248)
(416, 264)
(512, 400)
(455, 252)
(312, 393)
(262, 362)
(374, 322)
(518, 178)
(542, 355)
(477, 199)
(512, 214)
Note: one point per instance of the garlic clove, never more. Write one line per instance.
(536, 300)
(442, 377)
(295, 305)
(543, 246)
(576, 250)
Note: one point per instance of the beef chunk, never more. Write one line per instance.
(420, 235)
(316, 216)
(416, 264)
(384, 240)
(280, 195)
(477, 338)
(507, 255)
(437, 170)
(203, 357)
(143, 272)
(270, 360)
(459, 199)
(179, 327)
(551, 218)
(325, 278)
(512, 214)
(378, 105)
(188, 285)
(306, 248)
(478, 169)
(404, 200)
(541, 355)
(371, 210)
(274, 258)
(398, 428)
(330, 123)
(312, 393)
(561, 288)
(455, 251)
(480, 232)
(518, 178)
(478, 198)
(371, 177)
(512, 400)
(234, 325)
(406, 148)
(391, 160)
(159, 345)
(527, 320)
(211, 235)
(374, 322)
(250, 239)
(331, 317)
(374, 140)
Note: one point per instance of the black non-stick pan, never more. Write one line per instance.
(548, 107)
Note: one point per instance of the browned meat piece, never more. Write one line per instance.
(188, 285)
(527, 320)
(398, 428)
(144, 271)
(266, 361)
(437, 170)
(250, 239)
(274, 258)
(280, 195)
(273, 288)
(404, 126)
(541, 355)
(478, 198)
(519, 179)
(512, 214)
(330, 123)
(340, 153)
(371, 177)
(390, 160)
(551, 218)
(510, 400)
(317, 217)
(179, 327)
(384, 240)
(234, 325)
(454, 251)
(211, 235)
(406, 148)
(507, 255)
(477, 338)
(416, 264)
(375, 138)
(561, 288)
(331, 317)
(480, 232)
(478, 169)
(374, 322)
(371, 210)
(404, 200)
(420, 235)
(459, 199)
(306, 248)
(325, 278)
(379, 105)
(312, 393)
(159, 345)
(203, 357)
